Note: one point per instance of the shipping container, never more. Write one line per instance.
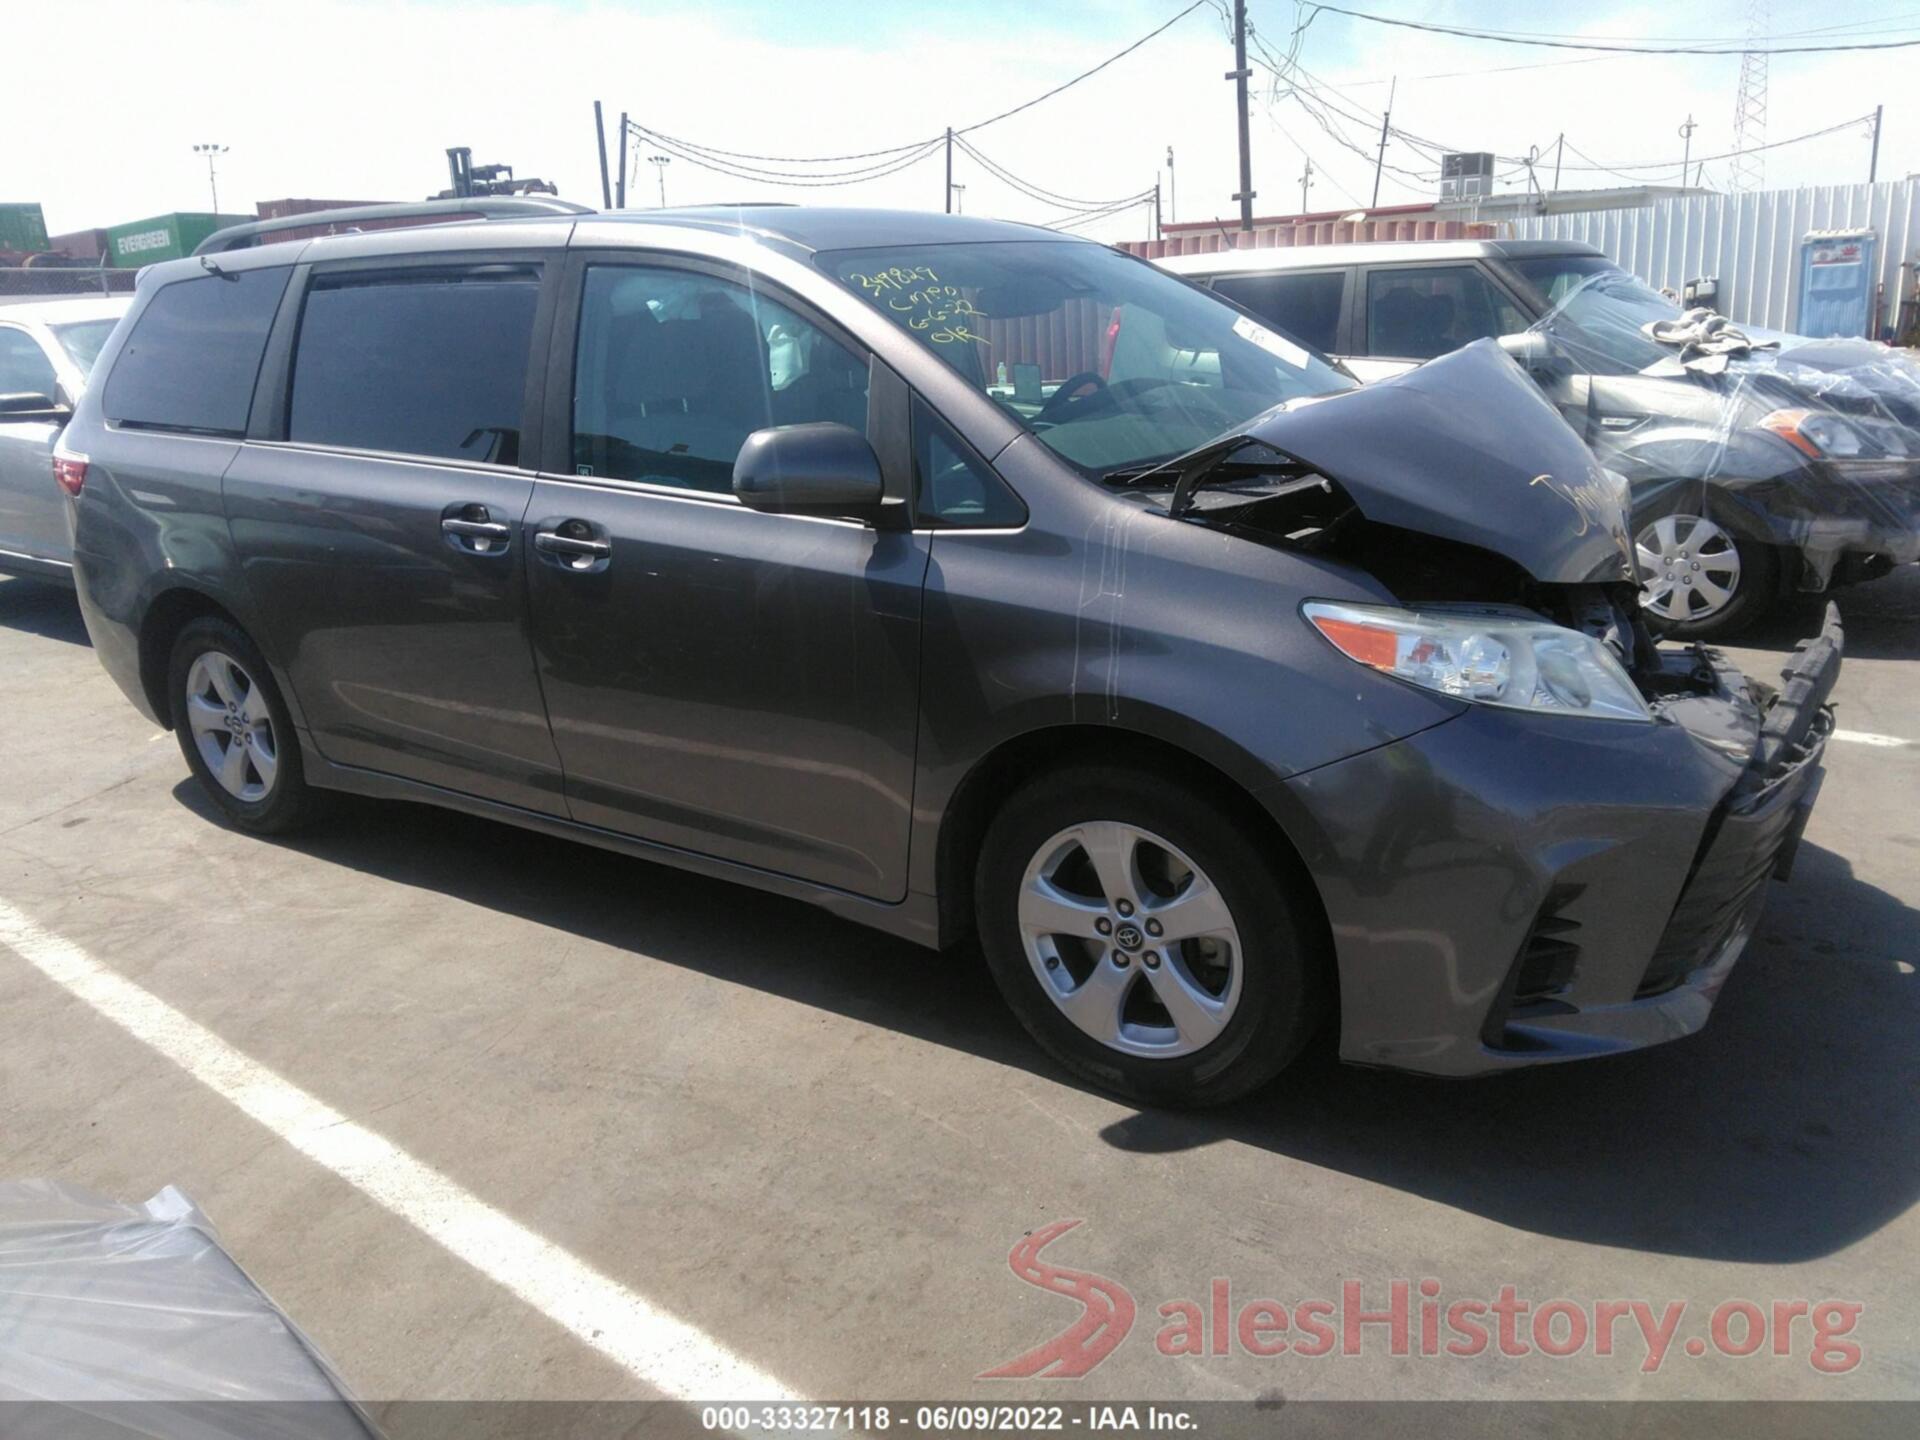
(22, 228)
(164, 237)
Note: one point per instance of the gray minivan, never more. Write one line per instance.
(964, 578)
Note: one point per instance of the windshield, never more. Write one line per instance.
(1599, 311)
(83, 340)
(1110, 362)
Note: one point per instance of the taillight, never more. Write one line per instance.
(69, 471)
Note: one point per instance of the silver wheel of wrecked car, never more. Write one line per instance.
(1689, 567)
(1130, 939)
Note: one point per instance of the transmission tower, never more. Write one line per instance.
(1749, 166)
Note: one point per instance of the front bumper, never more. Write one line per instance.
(1507, 890)
(1829, 510)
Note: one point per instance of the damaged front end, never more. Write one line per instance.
(1574, 864)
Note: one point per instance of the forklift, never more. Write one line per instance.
(471, 179)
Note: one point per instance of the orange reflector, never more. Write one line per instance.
(1368, 644)
(1786, 424)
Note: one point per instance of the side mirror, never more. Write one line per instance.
(821, 468)
(30, 406)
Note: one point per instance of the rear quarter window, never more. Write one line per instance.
(194, 353)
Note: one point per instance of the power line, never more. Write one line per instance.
(1033, 190)
(742, 161)
(1572, 43)
(1621, 170)
(1083, 75)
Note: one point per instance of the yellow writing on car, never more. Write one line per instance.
(917, 296)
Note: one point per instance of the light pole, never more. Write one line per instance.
(660, 163)
(210, 151)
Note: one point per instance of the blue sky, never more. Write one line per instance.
(353, 99)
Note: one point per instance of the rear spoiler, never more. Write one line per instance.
(473, 207)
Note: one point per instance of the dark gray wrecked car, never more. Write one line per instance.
(965, 579)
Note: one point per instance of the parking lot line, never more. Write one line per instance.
(659, 1349)
(1867, 737)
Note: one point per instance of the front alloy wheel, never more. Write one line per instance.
(1152, 935)
(1130, 939)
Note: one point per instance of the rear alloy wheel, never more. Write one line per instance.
(234, 729)
(1698, 580)
(1143, 937)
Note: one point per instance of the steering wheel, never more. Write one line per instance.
(1064, 395)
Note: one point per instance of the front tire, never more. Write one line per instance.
(1700, 578)
(234, 729)
(1146, 939)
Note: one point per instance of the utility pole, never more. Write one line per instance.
(600, 137)
(1306, 183)
(1156, 207)
(212, 150)
(1172, 210)
(660, 163)
(620, 185)
(1873, 165)
(1239, 75)
(1686, 154)
(1380, 160)
(949, 170)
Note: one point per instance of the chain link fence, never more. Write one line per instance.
(43, 282)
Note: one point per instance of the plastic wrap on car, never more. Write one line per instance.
(1809, 445)
(132, 1320)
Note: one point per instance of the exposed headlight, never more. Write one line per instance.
(1488, 660)
(1824, 437)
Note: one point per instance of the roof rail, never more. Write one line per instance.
(487, 207)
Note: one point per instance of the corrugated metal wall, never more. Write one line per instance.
(1751, 242)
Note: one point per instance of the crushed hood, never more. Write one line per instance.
(1466, 448)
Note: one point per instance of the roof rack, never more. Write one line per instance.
(240, 237)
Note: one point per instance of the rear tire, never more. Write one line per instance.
(234, 729)
(1192, 979)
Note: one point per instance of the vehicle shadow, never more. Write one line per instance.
(34, 608)
(1785, 1131)
(1882, 619)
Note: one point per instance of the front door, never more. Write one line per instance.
(728, 682)
(380, 536)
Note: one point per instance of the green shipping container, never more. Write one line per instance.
(22, 227)
(164, 237)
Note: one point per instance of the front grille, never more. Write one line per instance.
(1741, 850)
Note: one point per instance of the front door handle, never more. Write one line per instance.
(469, 528)
(576, 552)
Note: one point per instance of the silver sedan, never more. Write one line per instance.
(46, 350)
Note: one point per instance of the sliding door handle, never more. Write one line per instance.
(570, 546)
